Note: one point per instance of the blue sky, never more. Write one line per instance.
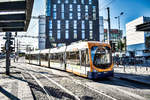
(132, 9)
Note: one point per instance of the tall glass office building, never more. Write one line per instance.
(71, 20)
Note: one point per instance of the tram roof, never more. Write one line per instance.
(44, 51)
(73, 47)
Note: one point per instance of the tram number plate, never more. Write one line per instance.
(105, 72)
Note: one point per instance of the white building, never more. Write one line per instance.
(137, 41)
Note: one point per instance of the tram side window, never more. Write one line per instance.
(57, 57)
(73, 58)
(85, 58)
(31, 57)
(26, 56)
(44, 57)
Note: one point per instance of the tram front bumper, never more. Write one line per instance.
(97, 75)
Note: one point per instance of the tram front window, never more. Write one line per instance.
(101, 57)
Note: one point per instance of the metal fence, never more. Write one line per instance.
(132, 63)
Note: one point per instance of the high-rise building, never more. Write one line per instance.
(101, 29)
(42, 31)
(71, 20)
(138, 42)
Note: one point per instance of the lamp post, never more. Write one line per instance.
(118, 17)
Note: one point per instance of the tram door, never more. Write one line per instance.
(84, 61)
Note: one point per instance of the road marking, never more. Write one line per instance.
(76, 97)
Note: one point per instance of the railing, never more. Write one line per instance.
(133, 66)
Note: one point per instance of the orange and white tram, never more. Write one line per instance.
(88, 59)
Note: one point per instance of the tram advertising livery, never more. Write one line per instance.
(88, 59)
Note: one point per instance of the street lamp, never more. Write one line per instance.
(118, 17)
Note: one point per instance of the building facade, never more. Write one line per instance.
(138, 42)
(71, 20)
(42, 32)
(101, 29)
(115, 37)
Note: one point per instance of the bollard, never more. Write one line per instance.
(124, 68)
(135, 68)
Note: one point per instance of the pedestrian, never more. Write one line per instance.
(117, 60)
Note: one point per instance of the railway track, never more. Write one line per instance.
(52, 89)
(70, 87)
(80, 85)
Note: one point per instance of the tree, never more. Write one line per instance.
(120, 45)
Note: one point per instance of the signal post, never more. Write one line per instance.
(9, 49)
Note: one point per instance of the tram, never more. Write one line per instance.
(89, 59)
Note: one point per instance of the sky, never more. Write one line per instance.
(132, 9)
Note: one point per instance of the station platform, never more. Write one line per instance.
(13, 87)
(132, 73)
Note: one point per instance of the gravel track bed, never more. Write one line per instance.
(140, 89)
(53, 90)
(127, 86)
(83, 92)
(37, 91)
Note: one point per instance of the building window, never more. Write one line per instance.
(83, 34)
(90, 25)
(83, 25)
(54, 15)
(86, 16)
(70, 15)
(75, 34)
(90, 1)
(50, 24)
(50, 34)
(91, 34)
(78, 8)
(82, 1)
(70, 7)
(79, 16)
(94, 8)
(86, 8)
(54, 7)
(67, 34)
(75, 24)
(67, 24)
(62, 15)
(66, 1)
(62, 7)
(58, 24)
(58, 1)
(74, 1)
(94, 16)
(58, 34)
